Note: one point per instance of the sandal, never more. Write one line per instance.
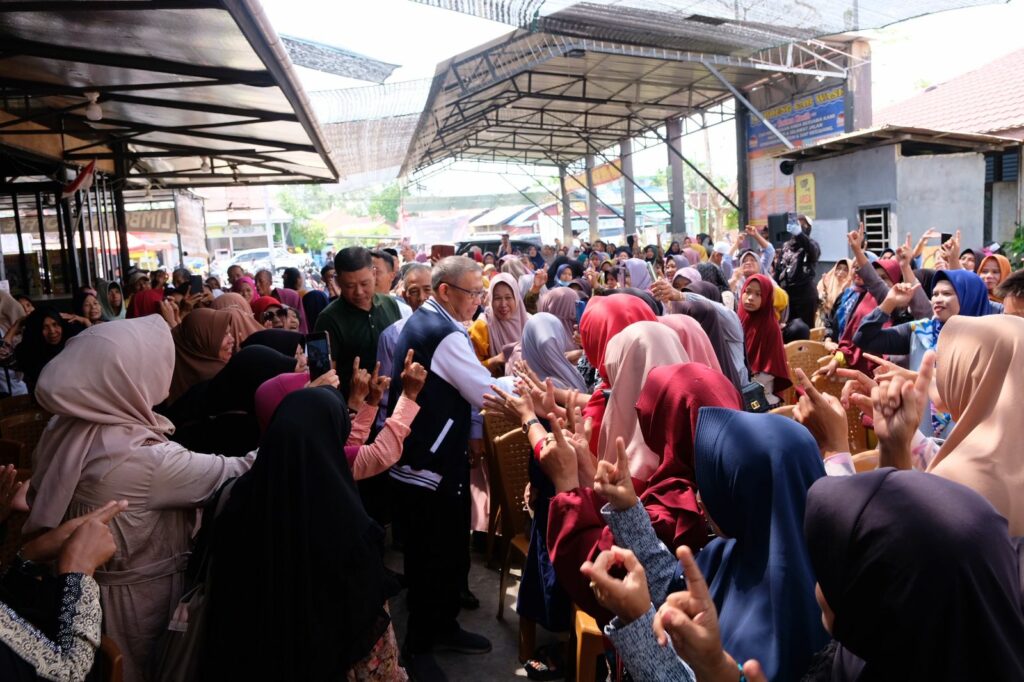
(546, 664)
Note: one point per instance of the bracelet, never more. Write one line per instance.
(528, 424)
(840, 358)
(743, 678)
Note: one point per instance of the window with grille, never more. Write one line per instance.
(876, 227)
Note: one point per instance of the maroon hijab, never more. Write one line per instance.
(667, 412)
(762, 336)
(854, 355)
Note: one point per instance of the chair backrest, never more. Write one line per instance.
(110, 661)
(818, 334)
(805, 355)
(14, 452)
(26, 428)
(512, 454)
(865, 461)
(17, 403)
(856, 431)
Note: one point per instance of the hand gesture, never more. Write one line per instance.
(856, 239)
(558, 458)
(91, 544)
(900, 295)
(47, 546)
(8, 489)
(328, 378)
(414, 375)
(663, 290)
(898, 405)
(628, 598)
(170, 313)
(378, 385)
(516, 408)
(690, 620)
(887, 370)
(823, 415)
(613, 481)
(857, 384)
(359, 386)
(827, 367)
(930, 233)
(540, 278)
(905, 252)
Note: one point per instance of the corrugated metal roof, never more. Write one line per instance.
(922, 140)
(989, 99)
(176, 82)
(334, 60)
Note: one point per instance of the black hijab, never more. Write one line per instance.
(582, 287)
(313, 303)
(283, 341)
(711, 322)
(706, 289)
(575, 266)
(234, 387)
(922, 576)
(33, 352)
(926, 276)
(298, 585)
(709, 272)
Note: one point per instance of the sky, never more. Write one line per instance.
(906, 58)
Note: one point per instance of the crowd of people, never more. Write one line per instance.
(220, 511)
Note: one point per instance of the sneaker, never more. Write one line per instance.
(463, 642)
(424, 668)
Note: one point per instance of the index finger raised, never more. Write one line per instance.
(695, 583)
(807, 385)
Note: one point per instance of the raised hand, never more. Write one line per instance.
(888, 370)
(558, 458)
(898, 405)
(857, 383)
(613, 482)
(824, 417)
(540, 278)
(359, 386)
(628, 598)
(899, 296)
(663, 290)
(517, 408)
(378, 385)
(414, 376)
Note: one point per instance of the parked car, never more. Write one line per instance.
(491, 242)
(253, 260)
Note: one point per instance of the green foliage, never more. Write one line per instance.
(302, 202)
(386, 203)
(1014, 248)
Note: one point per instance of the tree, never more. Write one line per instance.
(386, 203)
(302, 202)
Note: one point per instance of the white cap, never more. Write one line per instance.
(722, 248)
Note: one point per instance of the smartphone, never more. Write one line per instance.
(195, 284)
(439, 251)
(318, 354)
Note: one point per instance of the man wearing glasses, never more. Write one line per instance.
(432, 477)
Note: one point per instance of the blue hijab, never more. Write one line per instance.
(972, 295)
(753, 473)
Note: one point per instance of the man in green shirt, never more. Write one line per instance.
(355, 320)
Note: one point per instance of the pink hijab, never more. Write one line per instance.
(561, 302)
(272, 391)
(694, 339)
(508, 332)
(292, 299)
(101, 390)
(630, 357)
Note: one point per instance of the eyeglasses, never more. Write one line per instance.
(269, 315)
(479, 293)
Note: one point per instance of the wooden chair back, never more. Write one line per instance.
(865, 461)
(818, 334)
(16, 404)
(856, 431)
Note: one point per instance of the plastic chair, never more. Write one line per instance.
(26, 428)
(803, 355)
(856, 432)
(495, 425)
(865, 461)
(818, 334)
(109, 661)
(512, 457)
(589, 645)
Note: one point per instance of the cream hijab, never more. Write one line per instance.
(630, 357)
(101, 390)
(979, 378)
(503, 333)
(10, 311)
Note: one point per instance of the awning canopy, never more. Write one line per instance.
(915, 141)
(200, 92)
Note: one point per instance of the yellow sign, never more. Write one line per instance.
(606, 172)
(804, 185)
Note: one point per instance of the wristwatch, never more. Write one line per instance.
(527, 425)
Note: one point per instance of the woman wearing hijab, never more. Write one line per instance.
(145, 302)
(917, 579)
(666, 412)
(709, 272)
(86, 305)
(993, 270)
(292, 299)
(638, 274)
(762, 337)
(111, 300)
(724, 331)
(562, 303)
(691, 255)
(831, 286)
(684, 277)
(545, 343)
(753, 473)
(283, 341)
(979, 381)
(219, 415)
(106, 442)
(203, 343)
(969, 260)
(246, 288)
(298, 507)
(536, 258)
(496, 332)
(673, 264)
(45, 332)
(313, 303)
(241, 321)
(693, 339)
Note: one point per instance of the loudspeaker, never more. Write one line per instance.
(787, 167)
(777, 233)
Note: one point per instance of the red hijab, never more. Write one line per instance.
(604, 317)
(762, 336)
(667, 412)
(146, 302)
